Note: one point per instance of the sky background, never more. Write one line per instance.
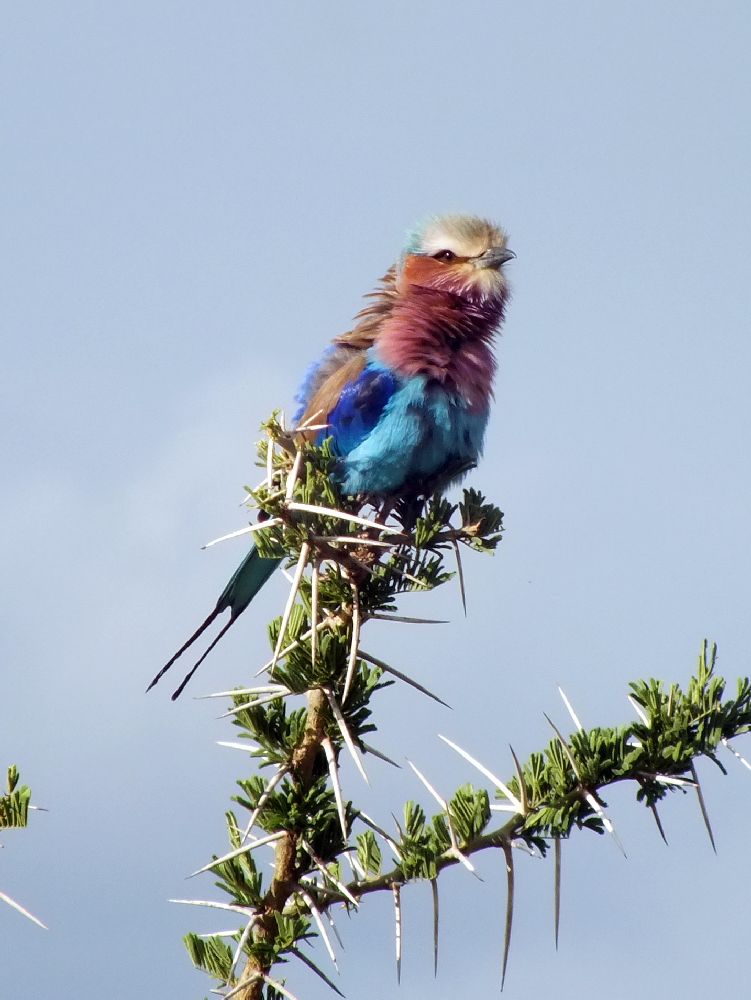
(194, 198)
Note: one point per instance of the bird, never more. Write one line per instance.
(405, 395)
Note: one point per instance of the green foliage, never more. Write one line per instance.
(14, 803)
(210, 954)
(369, 853)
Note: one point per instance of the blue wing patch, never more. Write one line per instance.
(360, 407)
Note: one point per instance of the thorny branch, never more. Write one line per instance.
(358, 567)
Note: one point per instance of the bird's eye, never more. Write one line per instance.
(445, 255)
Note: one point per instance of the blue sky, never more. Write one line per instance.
(195, 197)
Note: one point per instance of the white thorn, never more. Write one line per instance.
(301, 563)
(292, 477)
(444, 805)
(355, 642)
(379, 830)
(735, 753)
(238, 851)
(638, 709)
(329, 512)
(316, 914)
(571, 711)
(342, 888)
(22, 910)
(244, 531)
(328, 749)
(398, 929)
(488, 774)
(605, 821)
(314, 615)
(273, 782)
(341, 723)
(231, 907)
(241, 944)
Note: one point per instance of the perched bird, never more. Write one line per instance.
(406, 393)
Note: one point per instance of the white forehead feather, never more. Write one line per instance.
(464, 235)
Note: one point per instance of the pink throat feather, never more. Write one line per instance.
(446, 337)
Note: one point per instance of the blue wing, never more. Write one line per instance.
(359, 408)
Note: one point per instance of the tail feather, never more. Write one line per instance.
(197, 664)
(244, 584)
(186, 645)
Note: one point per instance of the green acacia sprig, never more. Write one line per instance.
(14, 803)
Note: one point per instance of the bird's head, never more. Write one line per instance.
(459, 254)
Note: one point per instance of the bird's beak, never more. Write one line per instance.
(494, 257)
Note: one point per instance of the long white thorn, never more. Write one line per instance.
(293, 474)
(277, 986)
(307, 425)
(409, 621)
(316, 914)
(239, 988)
(314, 968)
(434, 891)
(332, 925)
(254, 703)
(408, 576)
(509, 908)
(439, 798)
(310, 427)
(329, 512)
(293, 645)
(606, 822)
(237, 852)
(355, 641)
(22, 910)
(212, 905)
(314, 614)
(557, 889)
(445, 806)
(638, 709)
(735, 753)
(377, 753)
(328, 749)
(240, 945)
(301, 563)
(245, 747)
(703, 807)
(565, 747)
(358, 872)
(669, 779)
(381, 832)
(354, 540)
(460, 572)
(341, 887)
(396, 889)
(259, 689)
(387, 668)
(270, 464)
(571, 711)
(244, 531)
(273, 782)
(346, 736)
(520, 779)
(488, 774)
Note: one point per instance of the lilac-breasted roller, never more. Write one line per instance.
(406, 393)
